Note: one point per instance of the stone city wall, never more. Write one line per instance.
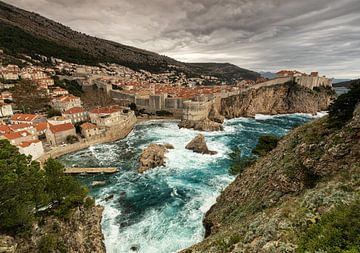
(117, 132)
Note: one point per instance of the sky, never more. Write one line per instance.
(262, 35)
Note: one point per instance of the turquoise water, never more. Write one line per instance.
(162, 210)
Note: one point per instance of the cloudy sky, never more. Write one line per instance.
(269, 35)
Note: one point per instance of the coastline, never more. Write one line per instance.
(114, 136)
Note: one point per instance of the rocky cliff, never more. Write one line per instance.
(277, 99)
(80, 232)
(268, 207)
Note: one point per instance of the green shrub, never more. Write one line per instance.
(25, 189)
(164, 113)
(265, 145)
(52, 112)
(89, 202)
(342, 109)
(48, 243)
(239, 163)
(337, 231)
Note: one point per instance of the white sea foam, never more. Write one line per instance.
(190, 183)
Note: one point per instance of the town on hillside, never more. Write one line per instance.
(46, 107)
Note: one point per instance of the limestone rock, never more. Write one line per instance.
(203, 125)
(151, 157)
(168, 146)
(7, 244)
(215, 116)
(277, 99)
(198, 145)
(81, 232)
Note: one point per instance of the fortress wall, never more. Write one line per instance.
(311, 82)
(194, 111)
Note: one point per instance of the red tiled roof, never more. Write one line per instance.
(61, 127)
(25, 144)
(88, 126)
(24, 117)
(16, 135)
(41, 126)
(20, 126)
(105, 110)
(66, 98)
(74, 110)
(4, 129)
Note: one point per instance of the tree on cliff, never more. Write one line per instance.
(25, 189)
(342, 109)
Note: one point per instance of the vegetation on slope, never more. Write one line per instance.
(288, 195)
(338, 231)
(28, 193)
(341, 111)
(30, 33)
(265, 144)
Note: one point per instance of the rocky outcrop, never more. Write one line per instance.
(273, 202)
(80, 233)
(153, 156)
(277, 99)
(215, 116)
(203, 125)
(198, 145)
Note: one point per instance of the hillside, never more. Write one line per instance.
(346, 84)
(303, 196)
(29, 33)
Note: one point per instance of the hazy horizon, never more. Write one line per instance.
(261, 35)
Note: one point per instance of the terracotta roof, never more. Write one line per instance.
(20, 126)
(41, 126)
(74, 110)
(88, 126)
(61, 127)
(24, 117)
(105, 110)
(4, 129)
(16, 135)
(25, 144)
(66, 98)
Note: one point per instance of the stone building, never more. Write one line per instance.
(5, 110)
(66, 102)
(27, 119)
(57, 134)
(16, 138)
(34, 148)
(108, 116)
(90, 131)
(76, 115)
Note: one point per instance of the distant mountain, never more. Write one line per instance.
(269, 75)
(23, 32)
(346, 84)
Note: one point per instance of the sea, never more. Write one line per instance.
(161, 211)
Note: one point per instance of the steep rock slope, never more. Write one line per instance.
(26, 32)
(81, 232)
(269, 206)
(277, 99)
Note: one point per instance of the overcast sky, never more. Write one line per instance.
(269, 35)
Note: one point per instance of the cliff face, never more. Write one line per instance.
(268, 206)
(277, 99)
(81, 232)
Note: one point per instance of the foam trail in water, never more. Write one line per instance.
(162, 210)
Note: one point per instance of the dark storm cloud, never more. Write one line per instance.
(308, 35)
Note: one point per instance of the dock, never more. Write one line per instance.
(108, 170)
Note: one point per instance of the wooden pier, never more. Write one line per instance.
(108, 170)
